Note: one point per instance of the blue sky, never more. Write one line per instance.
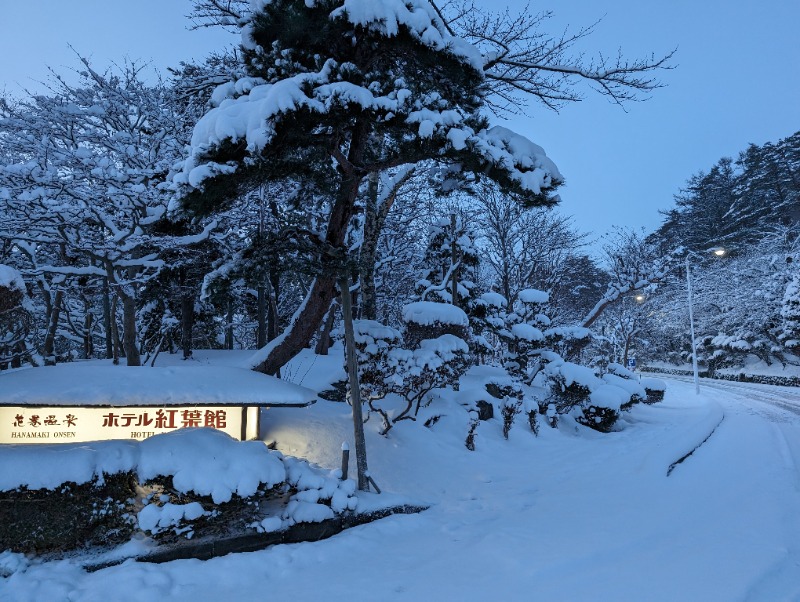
(737, 81)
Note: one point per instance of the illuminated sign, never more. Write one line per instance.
(61, 424)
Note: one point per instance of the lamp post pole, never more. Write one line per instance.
(691, 329)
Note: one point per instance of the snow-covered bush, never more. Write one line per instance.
(511, 398)
(578, 391)
(523, 334)
(654, 388)
(425, 320)
(195, 482)
(570, 384)
(635, 391)
(316, 496)
(470, 441)
(432, 352)
(68, 515)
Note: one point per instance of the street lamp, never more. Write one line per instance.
(719, 252)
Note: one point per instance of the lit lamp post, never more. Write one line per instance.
(719, 252)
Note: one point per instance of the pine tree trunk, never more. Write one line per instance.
(355, 391)
(453, 261)
(374, 220)
(272, 307)
(309, 316)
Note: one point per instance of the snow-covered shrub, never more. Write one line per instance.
(315, 495)
(602, 409)
(509, 410)
(598, 418)
(570, 384)
(431, 353)
(568, 341)
(68, 515)
(523, 334)
(428, 320)
(473, 426)
(790, 316)
(194, 482)
(533, 421)
(654, 389)
(635, 391)
(578, 391)
(620, 370)
(511, 396)
(203, 481)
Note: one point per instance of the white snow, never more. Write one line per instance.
(531, 295)
(209, 462)
(632, 386)
(48, 466)
(427, 313)
(154, 518)
(494, 299)
(107, 385)
(202, 460)
(11, 278)
(568, 515)
(609, 396)
(527, 332)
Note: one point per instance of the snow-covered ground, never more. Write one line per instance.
(570, 515)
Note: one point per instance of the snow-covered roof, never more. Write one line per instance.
(104, 385)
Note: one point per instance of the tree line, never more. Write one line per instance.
(746, 294)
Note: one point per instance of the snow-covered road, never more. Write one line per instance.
(565, 516)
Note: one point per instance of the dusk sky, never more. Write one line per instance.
(736, 81)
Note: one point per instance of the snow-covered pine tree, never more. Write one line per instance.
(378, 84)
